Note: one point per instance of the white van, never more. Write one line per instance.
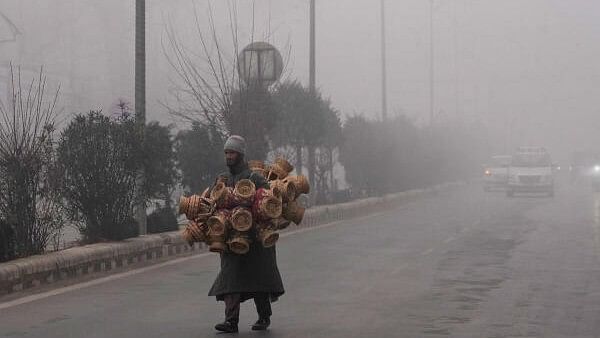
(530, 171)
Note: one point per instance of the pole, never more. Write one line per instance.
(312, 81)
(140, 102)
(312, 88)
(456, 72)
(383, 65)
(431, 65)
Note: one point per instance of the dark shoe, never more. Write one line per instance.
(261, 324)
(227, 327)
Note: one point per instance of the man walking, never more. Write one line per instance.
(252, 275)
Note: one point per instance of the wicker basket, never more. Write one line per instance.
(267, 236)
(217, 247)
(222, 195)
(241, 219)
(284, 164)
(285, 188)
(257, 167)
(301, 183)
(293, 212)
(206, 193)
(279, 169)
(198, 231)
(266, 205)
(239, 243)
(256, 164)
(195, 207)
(244, 192)
(218, 223)
(281, 223)
(275, 172)
(187, 236)
(194, 232)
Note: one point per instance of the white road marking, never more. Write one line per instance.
(327, 225)
(399, 268)
(368, 288)
(427, 252)
(56, 292)
(449, 239)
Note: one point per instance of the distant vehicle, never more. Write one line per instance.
(582, 165)
(595, 176)
(585, 167)
(530, 171)
(495, 175)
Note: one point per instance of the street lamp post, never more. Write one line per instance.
(431, 65)
(383, 65)
(140, 103)
(312, 66)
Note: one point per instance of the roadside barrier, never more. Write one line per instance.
(90, 261)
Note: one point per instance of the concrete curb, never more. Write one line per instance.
(71, 265)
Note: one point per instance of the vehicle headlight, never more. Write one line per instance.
(597, 168)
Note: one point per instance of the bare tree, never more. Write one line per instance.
(122, 110)
(210, 91)
(29, 204)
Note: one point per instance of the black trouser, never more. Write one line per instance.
(232, 306)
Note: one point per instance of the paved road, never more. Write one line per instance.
(460, 264)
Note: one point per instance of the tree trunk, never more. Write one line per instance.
(311, 165)
(331, 165)
(299, 159)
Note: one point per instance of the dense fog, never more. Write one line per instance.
(524, 70)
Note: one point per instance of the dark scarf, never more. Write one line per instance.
(239, 167)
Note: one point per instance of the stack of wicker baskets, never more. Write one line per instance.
(231, 218)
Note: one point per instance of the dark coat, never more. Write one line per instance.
(254, 272)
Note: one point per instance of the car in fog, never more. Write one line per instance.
(585, 167)
(594, 173)
(530, 171)
(582, 167)
(495, 175)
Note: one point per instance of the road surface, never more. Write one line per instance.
(463, 263)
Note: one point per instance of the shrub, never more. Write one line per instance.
(159, 162)
(98, 160)
(199, 154)
(162, 219)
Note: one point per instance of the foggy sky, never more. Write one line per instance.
(528, 70)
